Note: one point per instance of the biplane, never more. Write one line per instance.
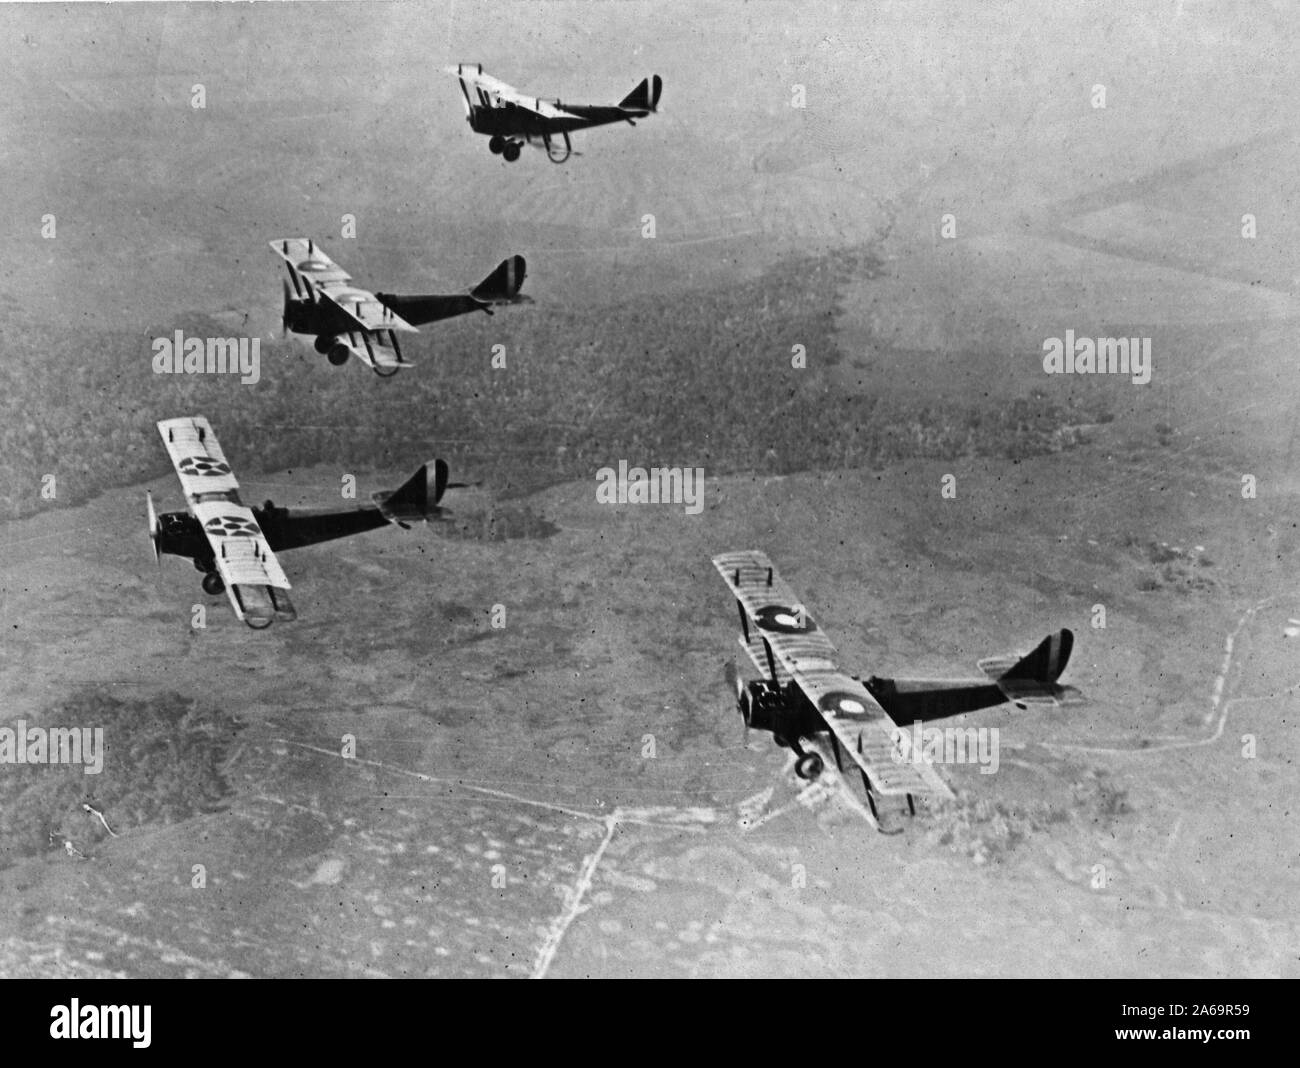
(804, 693)
(510, 120)
(235, 546)
(349, 321)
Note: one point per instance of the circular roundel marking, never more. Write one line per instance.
(202, 465)
(783, 620)
(841, 703)
(231, 526)
(313, 265)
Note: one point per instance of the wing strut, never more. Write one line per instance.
(835, 748)
(771, 663)
(871, 796)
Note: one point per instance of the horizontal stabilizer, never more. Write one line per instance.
(1032, 678)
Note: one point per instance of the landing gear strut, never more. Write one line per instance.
(808, 765)
(558, 151)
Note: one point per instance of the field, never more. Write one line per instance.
(571, 794)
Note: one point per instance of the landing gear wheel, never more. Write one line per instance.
(809, 766)
(213, 584)
(781, 740)
(338, 355)
(496, 144)
(510, 152)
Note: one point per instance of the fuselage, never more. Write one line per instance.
(511, 120)
(786, 711)
(319, 318)
(181, 535)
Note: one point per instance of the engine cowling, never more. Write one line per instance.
(296, 315)
(766, 707)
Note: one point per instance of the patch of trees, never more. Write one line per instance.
(162, 763)
(657, 379)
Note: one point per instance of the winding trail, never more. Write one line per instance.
(1220, 704)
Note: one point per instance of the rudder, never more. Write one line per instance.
(416, 499)
(1046, 663)
(503, 284)
(645, 97)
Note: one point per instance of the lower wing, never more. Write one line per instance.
(869, 736)
(370, 350)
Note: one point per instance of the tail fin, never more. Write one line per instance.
(645, 97)
(502, 285)
(1032, 678)
(1045, 663)
(416, 499)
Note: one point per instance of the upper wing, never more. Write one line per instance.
(196, 454)
(777, 629)
(240, 551)
(313, 272)
(483, 90)
(766, 661)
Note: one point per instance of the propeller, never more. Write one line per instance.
(155, 528)
(737, 683)
(284, 315)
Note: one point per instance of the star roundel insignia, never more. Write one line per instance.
(231, 526)
(784, 620)
(841, 703)
(202, 465)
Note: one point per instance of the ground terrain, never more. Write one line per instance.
(503, 814)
